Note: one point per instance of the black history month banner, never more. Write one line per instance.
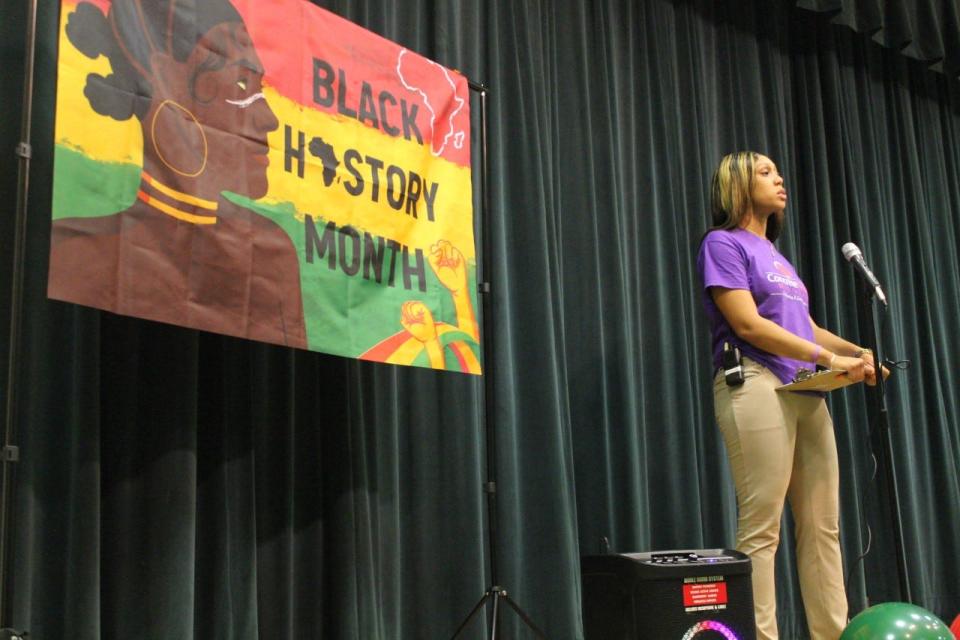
(265, 170)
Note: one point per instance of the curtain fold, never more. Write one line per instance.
(925, 30)
(183, 484)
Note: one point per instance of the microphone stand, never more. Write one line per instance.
(881, 426)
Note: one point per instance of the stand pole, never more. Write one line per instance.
(10, 453)
(494, 593)
(882, 427)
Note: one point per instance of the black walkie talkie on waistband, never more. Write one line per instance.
(732, 365)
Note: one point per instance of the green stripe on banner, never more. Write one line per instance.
(87, 188)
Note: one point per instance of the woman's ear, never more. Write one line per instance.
(173, 135)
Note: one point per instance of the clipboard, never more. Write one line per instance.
(821, 381)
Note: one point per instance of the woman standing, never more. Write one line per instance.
(780, 445)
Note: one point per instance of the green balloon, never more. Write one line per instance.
(896, 621)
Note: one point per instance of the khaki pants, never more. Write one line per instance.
(781, 446)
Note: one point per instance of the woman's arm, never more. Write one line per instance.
(837, 344)
(740, 312)
(834, 342)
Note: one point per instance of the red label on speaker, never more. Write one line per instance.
(704, 594)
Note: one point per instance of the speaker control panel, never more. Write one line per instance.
(674, 558)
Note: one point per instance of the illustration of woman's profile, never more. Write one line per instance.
(182, 252)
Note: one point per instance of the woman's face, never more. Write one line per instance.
(768, 193)
(210, 120)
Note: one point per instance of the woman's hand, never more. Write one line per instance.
(857, 369)
(867, 357)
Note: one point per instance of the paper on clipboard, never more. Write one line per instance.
(821, 381)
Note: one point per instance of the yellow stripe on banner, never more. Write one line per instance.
(406, 353)
(176, 213)
(78, 126)
(178, 195)
(369, 162)
(473, 364)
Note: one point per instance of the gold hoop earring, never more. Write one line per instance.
(156, 147)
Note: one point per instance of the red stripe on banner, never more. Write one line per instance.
(330, 64)
(103, 5)
(385, 348)
(461, 360)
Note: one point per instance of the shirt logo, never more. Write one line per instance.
(785, 281)
(784, 278)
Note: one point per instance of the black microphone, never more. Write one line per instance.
(853, 255)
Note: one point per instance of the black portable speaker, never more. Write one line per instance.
(702, 594)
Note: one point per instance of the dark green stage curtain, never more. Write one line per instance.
(186, 485)
(926, 30)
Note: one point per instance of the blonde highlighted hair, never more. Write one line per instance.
(730, 193)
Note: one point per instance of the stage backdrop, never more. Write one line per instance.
(269, 171)
(184, 484)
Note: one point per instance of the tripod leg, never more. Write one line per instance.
(497, 594)
(523, 616)
(473, 613)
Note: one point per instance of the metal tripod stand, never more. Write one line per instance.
(494, 594)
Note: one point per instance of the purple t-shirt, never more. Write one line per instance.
(738, 259)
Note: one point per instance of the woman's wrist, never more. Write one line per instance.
(825, 358)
